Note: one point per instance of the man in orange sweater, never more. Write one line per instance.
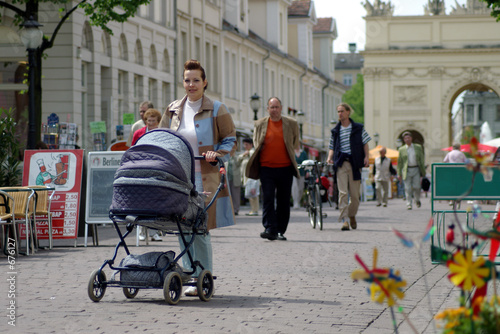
(276, 137)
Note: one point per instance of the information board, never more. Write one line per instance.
(101, 168)
(61, 169)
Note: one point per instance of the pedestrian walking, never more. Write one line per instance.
(276, 137)
(145, 105)
(455, 155)
(298, 182)
(411, 167)
(348, 152)
(382, 171)
(209, 129)
(252, 186)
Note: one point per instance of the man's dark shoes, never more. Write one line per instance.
(418, 204)
(281, 237)
(268, 235)
(354, 224)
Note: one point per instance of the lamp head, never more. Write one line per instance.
(31, 35)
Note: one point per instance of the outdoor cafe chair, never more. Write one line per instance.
(43, 200)
(7, 219)
(20, 211)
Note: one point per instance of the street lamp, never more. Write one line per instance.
(300, 120)
(255, 104)
(376, 137)
(32, 38)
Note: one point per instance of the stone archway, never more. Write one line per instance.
(416, 66)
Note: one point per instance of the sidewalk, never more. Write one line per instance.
(294, 286)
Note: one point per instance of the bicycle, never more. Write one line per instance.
(312, 189)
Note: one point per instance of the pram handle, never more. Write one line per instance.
(222, 168)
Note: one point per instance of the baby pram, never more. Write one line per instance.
(154, 187)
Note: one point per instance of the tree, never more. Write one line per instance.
(495, 6)
(355, 97)
(99, 12)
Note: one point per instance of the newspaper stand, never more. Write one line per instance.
(450, 181)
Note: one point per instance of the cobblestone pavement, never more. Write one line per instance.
(294, 286)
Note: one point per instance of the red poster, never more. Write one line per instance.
(61, 169)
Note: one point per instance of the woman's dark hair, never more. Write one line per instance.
(193, 64)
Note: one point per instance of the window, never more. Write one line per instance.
(215, 71)
(139, 59)
(184, 46)
(251, 78)
(281, 28)
(498, 112)
(153, 91)
(347, 79)
(197, 48)
(122, 48)
(480, 112)
(166, 98)
(143, 11)
(153, 59)
(138, 91)
(166, 61)
(234, 72)
(469, 114)
(158, 11)
(208, 60)
(122, 92)
(244, 80)
(228, 74)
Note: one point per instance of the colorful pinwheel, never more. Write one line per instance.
(467, 273)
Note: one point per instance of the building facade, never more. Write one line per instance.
(267, 47)
(416, 66)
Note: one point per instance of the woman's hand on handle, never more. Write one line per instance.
(211, 156)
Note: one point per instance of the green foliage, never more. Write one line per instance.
(468, 133)
(99, 12)
(355, 97)
(495, 6)
(9, 150)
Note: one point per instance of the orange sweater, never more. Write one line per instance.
(274, 153)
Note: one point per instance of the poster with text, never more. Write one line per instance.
(62, 170)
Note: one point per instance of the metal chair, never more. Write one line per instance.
(7, 219)
(43, 200)
(20, 212)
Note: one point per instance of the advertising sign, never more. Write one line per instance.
(101, 168)
(61, 169)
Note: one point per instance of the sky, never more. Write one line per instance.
(349, 17)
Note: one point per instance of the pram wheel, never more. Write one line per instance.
(130, 292)
(97, 285)
(205, 285)
(172, 288)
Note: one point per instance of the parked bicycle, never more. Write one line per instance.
(314, 192)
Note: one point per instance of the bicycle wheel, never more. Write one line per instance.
(318, 207)
(311, 211)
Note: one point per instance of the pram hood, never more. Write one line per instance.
(156, 176)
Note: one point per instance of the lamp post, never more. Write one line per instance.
(32, 38)
(376, 137)
(300, 120)
(254, 104)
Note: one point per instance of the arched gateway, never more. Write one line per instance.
(416, 66)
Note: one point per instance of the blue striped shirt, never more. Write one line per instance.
(345, 134)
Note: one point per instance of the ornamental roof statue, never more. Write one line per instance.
(379, 8)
